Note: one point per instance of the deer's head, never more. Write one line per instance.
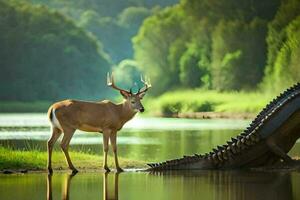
(133, 99)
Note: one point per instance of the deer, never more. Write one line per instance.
(104, 117)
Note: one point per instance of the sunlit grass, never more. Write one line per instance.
(36, 160)
(208, 101)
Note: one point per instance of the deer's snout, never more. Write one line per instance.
(142, 110)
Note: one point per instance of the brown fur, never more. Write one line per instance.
(105, 117)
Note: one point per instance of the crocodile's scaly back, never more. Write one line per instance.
(250, 138)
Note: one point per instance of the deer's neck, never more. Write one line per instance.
(126, 112)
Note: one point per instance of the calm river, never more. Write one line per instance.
(147, 139)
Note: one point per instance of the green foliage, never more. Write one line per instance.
(133, 17)
(211, 49)
(44, 56)
(225, 45)
(105, 8)
(116, 45)
(186, 101)
(175, 107)
(24, 107)
(115, 33)
(112, 22)
(283, 47)
(288, 11)
(189, 70)
(170, 108)
(244, 10)
(287, 64)
(237, 64)
(152, 48)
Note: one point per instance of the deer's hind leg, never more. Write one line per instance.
(68, 134)
(55, 135)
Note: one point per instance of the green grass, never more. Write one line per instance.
(207, 101)
(23, 107)
(36, 160)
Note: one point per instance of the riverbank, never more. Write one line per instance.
(206, 104)
(212, 115)
(17, 160)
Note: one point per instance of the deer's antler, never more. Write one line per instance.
(147, 85)
(111, 83)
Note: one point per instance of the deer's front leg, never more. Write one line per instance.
(113, 141)
(105, 150)
(68, 134)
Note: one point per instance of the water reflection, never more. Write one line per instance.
(231, 185)
(225, 185)
(110, 192)
(65, 189)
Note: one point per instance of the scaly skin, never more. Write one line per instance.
(266, 141)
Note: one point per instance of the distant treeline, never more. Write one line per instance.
(222, 44)
(44, 56)
(51, 50)
(57, 49)
(112, 22)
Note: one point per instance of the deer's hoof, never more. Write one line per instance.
(74, 171)
(50, 171)
(119, 169)
(106, 169)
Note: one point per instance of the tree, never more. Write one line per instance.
(279, 44)
(152, 47)
(238, 54)
(286, 70)
(133, 17)
(112, 22)
(44, 56)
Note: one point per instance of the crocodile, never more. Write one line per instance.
(265, 142)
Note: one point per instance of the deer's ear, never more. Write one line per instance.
(142, 95)
(125, 94)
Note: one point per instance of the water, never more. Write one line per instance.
(223, 185)
(147, 139)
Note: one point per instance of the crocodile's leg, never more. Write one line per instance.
(278, 151)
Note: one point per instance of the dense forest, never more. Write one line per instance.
(112, 22)
(44, 56)
(223, 45)
(52, 50)
(58, 49)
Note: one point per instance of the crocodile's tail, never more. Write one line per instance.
(212, 160)
(178, 164)
(248, 138)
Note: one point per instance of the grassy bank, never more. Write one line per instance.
(191, 101)
(36, 160)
